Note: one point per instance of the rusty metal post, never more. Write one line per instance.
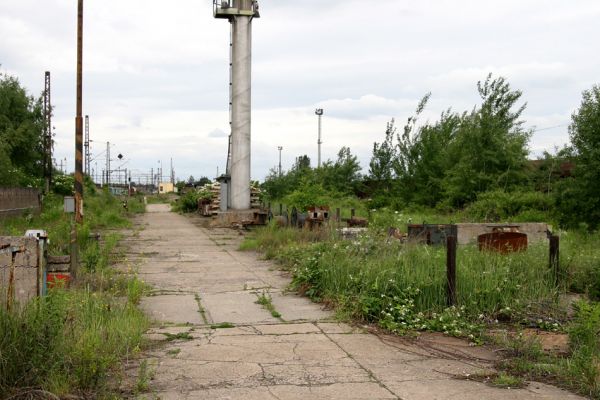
(10, 292)
(554, 262)
(79, 120)
(74, 269)
(451, 270)
(352, 213)
(280, 209)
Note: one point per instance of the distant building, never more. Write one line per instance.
(166, 187)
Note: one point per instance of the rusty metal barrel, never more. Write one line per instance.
(502, 242)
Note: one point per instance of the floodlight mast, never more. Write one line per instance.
(240, 14)
(319, 113)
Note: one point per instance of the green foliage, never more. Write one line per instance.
(384, 154)
(68, 341)
(498, 205)
(63, 185)
(72, 341)
(451, 160)
(490, 148)
(334, 178)
(21, 126)
(307, 194)
(584, 365)
(188, 202)
(579, 198)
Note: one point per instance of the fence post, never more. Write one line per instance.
(74, 259)
(451, 270)
(280, 209)
(337, 215)
(352, 213)
(554, 261)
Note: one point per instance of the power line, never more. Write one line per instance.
(550, 127)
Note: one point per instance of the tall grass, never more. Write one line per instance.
(72, 341)
(372, 267)
(67, 342)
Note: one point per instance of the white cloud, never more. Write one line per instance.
(156, 77)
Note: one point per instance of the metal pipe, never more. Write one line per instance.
(241, 108)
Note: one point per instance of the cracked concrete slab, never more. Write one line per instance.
(179, 309)
(236, 307)
(295, 308)
(307, 356)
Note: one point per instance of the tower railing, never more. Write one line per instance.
(229, 9)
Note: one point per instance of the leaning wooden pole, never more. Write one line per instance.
(79, 120)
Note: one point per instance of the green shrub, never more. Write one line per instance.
(188, 202)
(499, 205)
(63, 185)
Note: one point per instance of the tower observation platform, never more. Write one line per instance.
(228, 9)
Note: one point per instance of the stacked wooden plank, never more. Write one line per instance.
(215, 190)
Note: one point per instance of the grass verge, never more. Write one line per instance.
(72, 342)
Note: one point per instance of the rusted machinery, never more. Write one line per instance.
(316, 217)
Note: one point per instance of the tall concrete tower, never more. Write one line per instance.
(240, 14)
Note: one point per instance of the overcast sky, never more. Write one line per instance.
(156, 72)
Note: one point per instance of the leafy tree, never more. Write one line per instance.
(579, 199)
(302, 163)
(489, 150)
(191, 180)
(203, 181)
(342, 176)
(21, 134)
(423, 158)
(384, 154)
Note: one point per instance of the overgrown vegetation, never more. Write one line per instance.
(401, 287)
(73, 340)
(475, 160)
(21, 126)
(579, 370)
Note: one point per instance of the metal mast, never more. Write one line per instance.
(87, 145)
(279, 148)
(319, 112)
(240, 14)
(108, 164)
(47, 141)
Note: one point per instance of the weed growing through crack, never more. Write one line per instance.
(144, 377)
(222, 325)
(178, 336)
(265, 300)
(508, 381)
(174, 352)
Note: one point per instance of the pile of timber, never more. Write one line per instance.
(215, 202)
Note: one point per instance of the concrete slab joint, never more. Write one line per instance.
(238, 350)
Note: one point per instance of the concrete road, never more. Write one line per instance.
(219, 343)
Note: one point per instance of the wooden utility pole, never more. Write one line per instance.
(78, 146)
(79, 120)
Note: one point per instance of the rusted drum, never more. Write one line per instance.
(503, 242)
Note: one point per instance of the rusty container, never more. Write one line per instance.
(503, 242)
